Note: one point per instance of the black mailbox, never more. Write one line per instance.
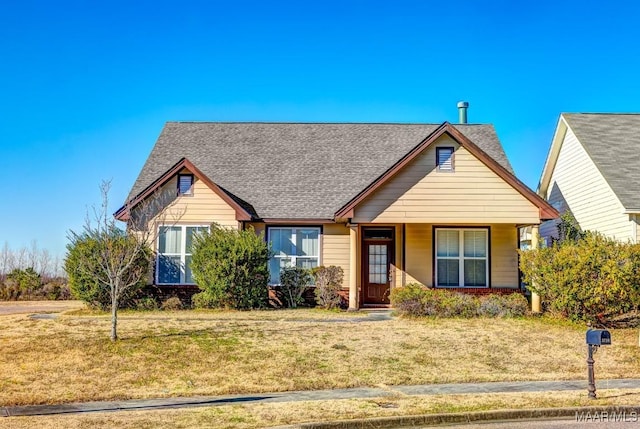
(598, 337)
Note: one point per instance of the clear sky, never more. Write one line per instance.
(85, 87)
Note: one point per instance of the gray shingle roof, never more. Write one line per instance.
(613, 143)
(295, 170)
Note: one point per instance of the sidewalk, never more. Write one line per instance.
(315, 395)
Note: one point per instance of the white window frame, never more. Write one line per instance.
(461, 258)
(294, 239)
(183, 255)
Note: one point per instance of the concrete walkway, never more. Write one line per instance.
(315, 395)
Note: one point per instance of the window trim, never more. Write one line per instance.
(461, 257)
(183, 254)
(190, 192)
(320, 240)
(439, 166)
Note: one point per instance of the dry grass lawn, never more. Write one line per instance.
(162, 354)
(276, 414)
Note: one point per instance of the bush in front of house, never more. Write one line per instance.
(172, 304)
(294, 281)
(416, 300)
(511, 305)
(588, 278)
(230, 267)
(84, 264)
(328, 285)
(410, 300)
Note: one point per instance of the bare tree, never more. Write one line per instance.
(20, 259)
(32, 256)
(120, 264)
(6, 260)
(44, 264)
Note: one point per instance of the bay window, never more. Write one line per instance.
(293, 247)
(173, 265)
(462, 257)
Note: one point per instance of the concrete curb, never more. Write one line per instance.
(479, 416)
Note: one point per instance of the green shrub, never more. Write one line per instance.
(230, 266)
(83, 265)
(417, 300)
(203, 300)
(9, 290)
(173, 303)
(55, 289)
(591, 278)
(293, 283)
(28, 282)
(454, 304)
(512, 305)
(146, 303)
(328, 285)
(409, 300)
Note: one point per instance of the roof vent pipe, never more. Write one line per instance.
(462, 111)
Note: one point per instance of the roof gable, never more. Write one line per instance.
(242, 209)
(546, 211)
(294, 171)
(612, 141)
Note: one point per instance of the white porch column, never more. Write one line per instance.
(535, 298)
(353, 267)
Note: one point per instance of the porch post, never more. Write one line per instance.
(535, 298)
(353, 267)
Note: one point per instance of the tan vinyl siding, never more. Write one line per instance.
(335, 248)
(578, 184)
(258, 227)
(472, 193)
(202, 208)
(503, 257)
(419, 259)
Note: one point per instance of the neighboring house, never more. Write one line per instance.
(591, 170)
(389, 203)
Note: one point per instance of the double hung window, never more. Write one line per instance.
(462, 257)
(174, 254)
(293, 247)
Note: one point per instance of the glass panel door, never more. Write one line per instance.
(378, 264)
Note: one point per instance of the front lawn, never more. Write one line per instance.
(186, 353)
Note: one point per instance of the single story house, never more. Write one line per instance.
(391, 204)
(593, 162)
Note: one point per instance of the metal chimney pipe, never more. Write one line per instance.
(462, 111)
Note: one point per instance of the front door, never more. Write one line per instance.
(377, 255)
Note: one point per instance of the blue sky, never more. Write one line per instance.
(87, 86)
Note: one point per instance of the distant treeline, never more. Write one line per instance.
(31, 273)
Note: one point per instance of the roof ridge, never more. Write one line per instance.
(320, 123)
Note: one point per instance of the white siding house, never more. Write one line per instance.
(592, 165)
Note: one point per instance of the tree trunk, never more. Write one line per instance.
(114, 317)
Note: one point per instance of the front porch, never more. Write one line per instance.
(471, 258)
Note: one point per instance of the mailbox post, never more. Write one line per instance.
(595, 339)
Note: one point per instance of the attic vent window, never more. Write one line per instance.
(444, 158)
(185, 184)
